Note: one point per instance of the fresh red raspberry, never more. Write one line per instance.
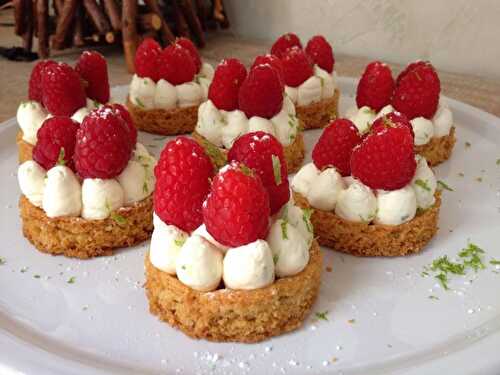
(321, 52)
(409, 68)
(193, 51)
(103, 147)
(385, 159)
(417, 93)
(93, 68)
(297, 67)
(35, 84)
(375, 87)
(183, 176)
(147, 58)
(272, 60)
(124, 113)
(236, 211)
(63, 91)
(334, 147)
(284, 42)
(56, 142)
(264, 154)
(225, 86)
(261, 94)
(176, 65)
(392, 120)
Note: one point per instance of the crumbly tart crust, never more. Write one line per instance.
(318, 115)
(362, 239)
(294, 153)
(235, 315)
(76, 237)
(438, 150)
(24, 148)
(164, 121)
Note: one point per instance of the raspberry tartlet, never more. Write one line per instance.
(88, 189)
(371, 196)
(57, 89)
(168, 87)
(309, 77)
(415, 93)
(239, 104)
(221, 266)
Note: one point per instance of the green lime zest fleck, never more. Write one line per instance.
(422, 184)
(284, 231)
(36, 276)
(140, 103)
(276, 257)
(245, 170)
(180, 241)
(60, 157)
(119, 219)
(443, 186)
(322, 315)
(2, 261)
(495, 262)
(276, 169)
(145, 187)
(472, 257)
(306, 217)
(467, 144)
(434, 298)
(71, 280)
(498, 161)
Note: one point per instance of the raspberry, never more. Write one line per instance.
(409, 68)
(103, 146)
(176, 65)
(321, 53)
(93, 68)
(392, 120)
(261, 94)
(283, 43)
(147, 58)
(385, 159)
(264, 154)
(63, 92)
(272, 60)
(236, 211)
(183, 176)
(55, 142)
(193, 51)
(124, 113)
(228, 77)
(297, 67)
(35, 84)
(375, 87)
(417, 93)
(334, 147)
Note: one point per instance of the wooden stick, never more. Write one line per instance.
(193, 21)
(148, 22)
(58, 6)
(42, 10)
(28, 22)
(113, 13)
(181, 25)
(64, 23)
(97, 16)
(19, 18)
(78, 36)
(220, 15)
(167, 35)
(129, 32)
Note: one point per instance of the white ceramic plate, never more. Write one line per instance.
(380, 317)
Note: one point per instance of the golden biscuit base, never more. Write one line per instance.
(320, 114)
(235, 315)
(76, 237)
(164, 121)
(368, 240)
(25, 149)
(438, 149)
(294, 152)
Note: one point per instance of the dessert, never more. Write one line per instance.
(416, 94)
(238, 104)
(220, 266)
(309, 77)
(371, 196)
(88, 189)
(56, 89)
(167, 87)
